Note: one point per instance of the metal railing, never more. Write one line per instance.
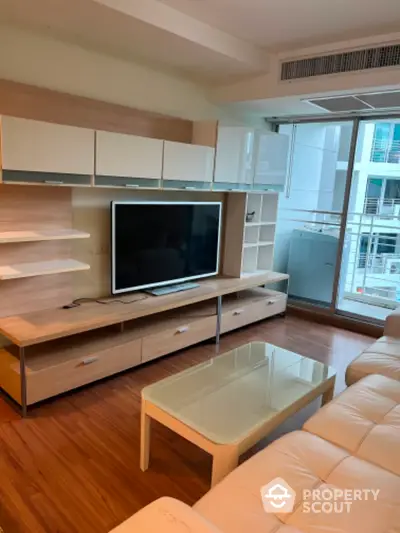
(372, 266)
(383, 263)
(385, 151)
(382, 206)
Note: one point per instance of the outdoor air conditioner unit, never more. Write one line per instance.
(392, 266)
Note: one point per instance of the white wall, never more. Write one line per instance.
(38, 60)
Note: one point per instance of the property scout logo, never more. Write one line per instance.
(279, 497)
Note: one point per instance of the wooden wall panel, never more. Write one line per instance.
(27, 101)
(34, 294)
(32, 252)
(42, 208)
(91, 213)
(205, 133)
(38, 208)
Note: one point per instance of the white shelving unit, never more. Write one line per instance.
(250, 233)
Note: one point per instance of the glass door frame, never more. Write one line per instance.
(356, 121)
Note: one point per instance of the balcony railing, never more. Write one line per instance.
(382, 206)
(379, 263)
(372, 259)
(384, 151)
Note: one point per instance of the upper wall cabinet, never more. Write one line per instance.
(234, 158)
(36, 151)
(127, 156)
(188, 163)
(271, 160)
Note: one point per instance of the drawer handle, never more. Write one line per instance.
(131, 185)
(187, 188)
(53, 182)
(182, 329)
(89, 360)
(237, 312)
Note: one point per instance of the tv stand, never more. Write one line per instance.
(169, 289)
(58, 350)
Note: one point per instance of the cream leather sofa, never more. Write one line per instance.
(353, 442)
(382, 357)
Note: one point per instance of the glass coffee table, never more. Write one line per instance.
(229, 403)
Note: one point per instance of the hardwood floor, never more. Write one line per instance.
(73, 465)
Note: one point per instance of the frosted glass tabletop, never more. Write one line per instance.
(232, 394)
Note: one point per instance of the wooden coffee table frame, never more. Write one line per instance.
(225, 456)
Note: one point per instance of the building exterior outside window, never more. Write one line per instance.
(311, 211)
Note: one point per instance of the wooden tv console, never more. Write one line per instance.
(58, 350)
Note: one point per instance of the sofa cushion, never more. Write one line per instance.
(392, 324)
(166, 515)
(304, 461)
(364, 420)
(382, 357)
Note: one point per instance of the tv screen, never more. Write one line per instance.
(161, 243)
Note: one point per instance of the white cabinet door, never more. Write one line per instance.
(128, 156)
(188, 162)
(33, 146)
(271, 158)
(234, 155)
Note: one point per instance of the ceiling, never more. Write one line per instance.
(340, 103)
(284, 24)
(209, 40)
(150, 31)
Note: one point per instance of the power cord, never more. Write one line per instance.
(79, 301)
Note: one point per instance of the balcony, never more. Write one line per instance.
(371, 265)
(382, 207)
(385, 151)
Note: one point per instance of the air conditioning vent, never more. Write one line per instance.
(371, 58)
(358, 102)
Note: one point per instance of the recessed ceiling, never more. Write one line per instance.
(387, 100)
(296, 106)
(109, 27)
(283, 24)
(209, 40)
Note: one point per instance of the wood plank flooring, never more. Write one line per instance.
(73, 465)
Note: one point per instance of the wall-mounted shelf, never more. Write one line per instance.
(41, 235)
(28, 270)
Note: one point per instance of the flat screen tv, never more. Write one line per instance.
(160, 243)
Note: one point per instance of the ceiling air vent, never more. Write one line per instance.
(357, 102)
(385, 56)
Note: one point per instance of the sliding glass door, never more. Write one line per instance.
(338, 230)
(370, 269)
(310, 212)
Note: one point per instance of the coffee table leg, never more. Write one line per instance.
(145, 427)
(225, 459)
(328, 394)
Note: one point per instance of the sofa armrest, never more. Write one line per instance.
(166, 515)
(392, 324)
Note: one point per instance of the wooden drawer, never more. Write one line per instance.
(57, 378)
(242, 315)
(178, 337)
